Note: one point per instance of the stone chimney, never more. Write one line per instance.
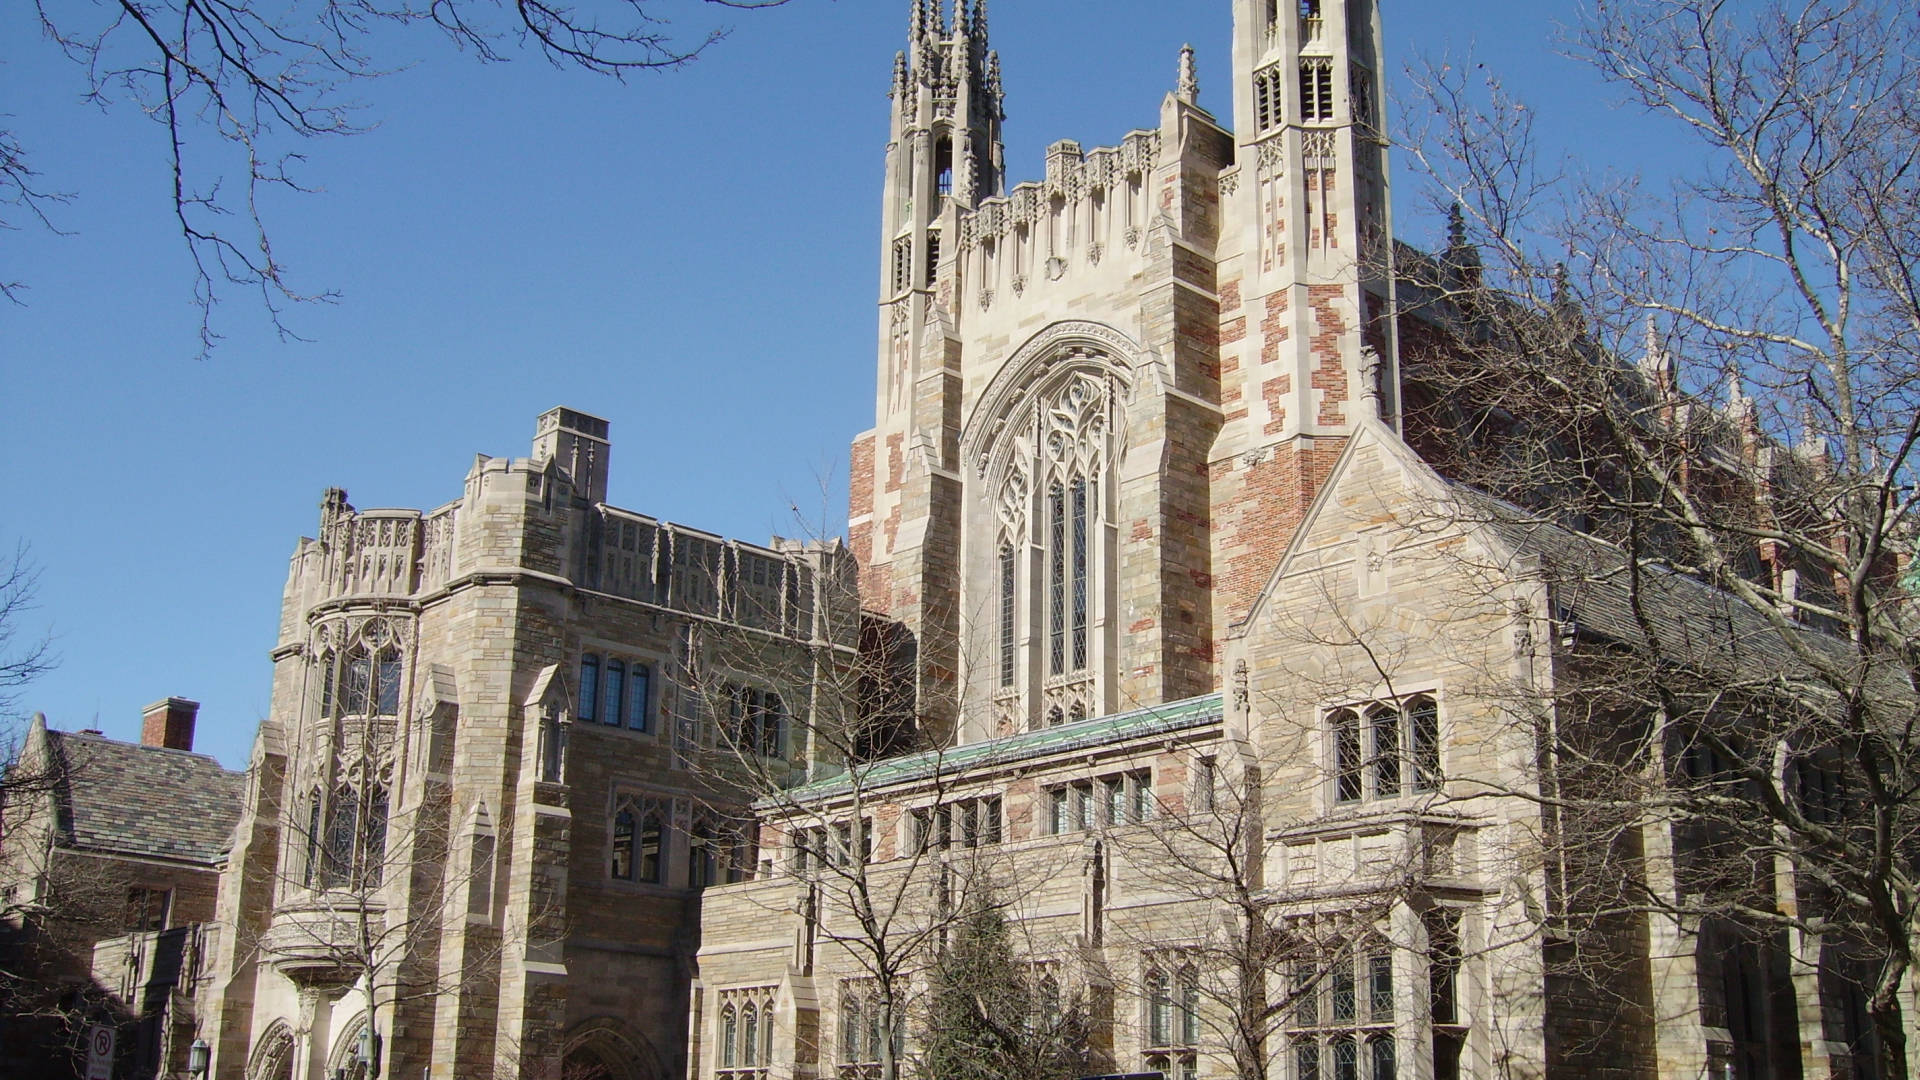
(169, 723)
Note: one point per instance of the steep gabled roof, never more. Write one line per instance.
(145, 801)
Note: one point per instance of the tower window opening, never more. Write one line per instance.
(903, 264)
(1269, 100)
(943, 168)
(1361, 91)
(1316, 90)
(933, 256)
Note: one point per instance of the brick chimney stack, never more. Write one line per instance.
(169, 723)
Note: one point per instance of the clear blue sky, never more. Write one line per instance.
(691, 255)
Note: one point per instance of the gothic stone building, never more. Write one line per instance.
(1146, 543)
(476, 823)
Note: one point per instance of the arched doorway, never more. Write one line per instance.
(273, 1054)
(600, 1050)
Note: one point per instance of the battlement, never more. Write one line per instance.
(517, 513)
(1074, 179)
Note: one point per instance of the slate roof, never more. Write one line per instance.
(1691, 622)
(1025, 746)
(147, 801)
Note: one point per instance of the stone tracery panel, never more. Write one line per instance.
(1044, 445)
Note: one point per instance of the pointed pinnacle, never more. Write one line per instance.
(1189, 76)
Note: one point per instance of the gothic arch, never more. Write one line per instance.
(1044, 442)
(273, 1054)
(341, 1061)
(604, 1048)
(1043, 360)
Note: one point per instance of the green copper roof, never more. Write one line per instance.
(998, 753)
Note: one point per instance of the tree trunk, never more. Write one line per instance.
(1890, 1026)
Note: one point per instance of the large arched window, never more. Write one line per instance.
(361, 677)
(1047, 564)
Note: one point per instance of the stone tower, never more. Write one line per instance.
(1106, 397)
(1306, 342)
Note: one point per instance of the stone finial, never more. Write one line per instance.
(1189, 76)
(980, 20)
(960, 21)
(899, 74)
(917, 22)
(1456, 227)
(1654, 359)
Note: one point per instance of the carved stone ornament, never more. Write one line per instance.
(1133, 236)
(1076, 423)
(899, 314)
(1016, 491)
(1094, 252)
(986, 299)
(1317, 147)
(1056, 268)
(1229, 183)
(1073, 178)
(1019, 284)
(1089, 345)
(1273, 159)
(1242, 693)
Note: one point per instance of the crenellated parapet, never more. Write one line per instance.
(1075, 177)
(372, 553)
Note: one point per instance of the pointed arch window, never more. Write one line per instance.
(1189, 1006)
(616, 692)
(750, 1037)
(1047, 572)
(623, 830)
(729, 1038)
(1057, 580)
(1159, 1009)
(1009, 600)
(650, 865)
(589, 685)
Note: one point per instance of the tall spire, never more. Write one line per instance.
(980, 20)
(1189, 76)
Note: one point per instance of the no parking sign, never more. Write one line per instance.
(100, 1052)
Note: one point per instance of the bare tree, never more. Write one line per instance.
(815, 748)
(1704, 402)
(238, 86)
(24, 656)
